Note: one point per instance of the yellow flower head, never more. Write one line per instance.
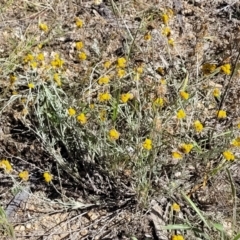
(198, 126)
(82, 118)
(121, 62)
(177, 155)
(104, 80)
(159, 102)
(71, 112)
(177, 237)
(57, 62)
(33, 64)
(175, 207)
(24, 175)
(221, 114)
(166, 31)
(216, 92)
(147, 36)
(28, 58)
(113, 134)
(57, 79)
(228, 155)
(186, 148)
(181, 114)
(103, 97)
(47, 177)
(31, 85)
(79, 22)
(107, 64)
(139, 70)
(82, 56)
(6, 165)
(43, 27)
(103, 115)
(165, 18)
(226, 68)
(208, 68)
(236, 142)
(121, 73)
(126, 96)
(171, 42)
(147, 144)
(40, 57)
(184, 95)
(13, 79)
(79, 45)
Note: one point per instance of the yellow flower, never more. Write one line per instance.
(216, 92)
(47, 177)
(82, 118)
(147, 144)
(79, 45)
(166, 31)
(181, 114)
(186, 148)
(114, 134)
(226, 68)
(57, 61)
(177, 155)
(208, 68)
(121, 73)
(171, 42)
(198, 126)
(175, 207)
(57, 79)
(121, 62)
(238, 125)
(177, 237)
(40, 57)
(33, 64)
(24, 175)
(31, 85)
(107, 64)
(6, 165)
(184, 95)
(82, 56)
(228, 155)
(221, 114)
(71, 112)
(165, 18)
(126, 96)
(236, 142)
(139, 70)
(103, 115)
(102, 97)
(79, 22)
(104, 80)
(13, 79)
(28, 58)
(43, 27)
(147, 36)
(159, 102)
(91, 105)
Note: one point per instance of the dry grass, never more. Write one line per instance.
(132, 110)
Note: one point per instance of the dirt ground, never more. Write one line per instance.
(70, 209)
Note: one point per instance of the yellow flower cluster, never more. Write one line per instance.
(104, 80)
(184, 95)
(177, 155)
(147, 144)
(198, 126)
(114, 134)
(57, 79)
(236, 142)
(78, 22)
(186, 148)
(226, 68)
(228, 155)
(121, 62)
(57, 62)
(71, 112)
(181, 114)
(24, 175)
(221, 114)
(177, 237)
(47, 177)
(175, 207)
(43, 27)
(6, 165)
(159, 102)
(82, 118)
(103, 97)
(126, 96)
